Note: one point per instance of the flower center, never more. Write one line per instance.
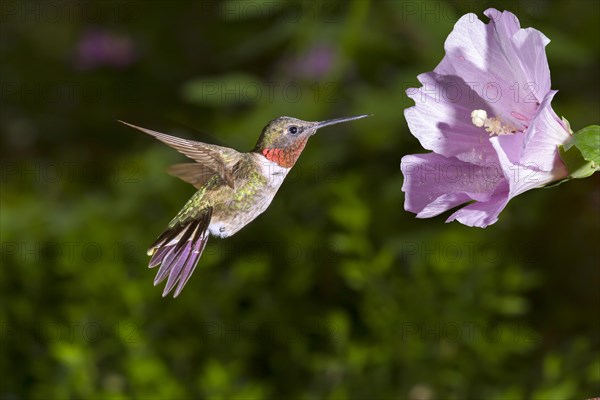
(493, 126)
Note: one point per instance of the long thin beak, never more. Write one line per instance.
(340, 120)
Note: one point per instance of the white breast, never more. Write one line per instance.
(275, 175)
(272, 171)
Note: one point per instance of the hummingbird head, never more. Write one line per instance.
(284, 138)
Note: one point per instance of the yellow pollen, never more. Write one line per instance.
(493, 126)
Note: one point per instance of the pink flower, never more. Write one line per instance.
(315, 63)
(99, 48)
(485, 112)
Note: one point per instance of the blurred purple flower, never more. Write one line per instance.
(313, 64)
(485, 113)
(99, 48)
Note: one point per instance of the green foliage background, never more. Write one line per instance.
(335, 292)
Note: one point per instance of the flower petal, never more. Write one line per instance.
(546, 132)
(529, 47)
(482, 214)
(434, 184)
(497, 67)
(521, 175)
(441, 119)
(486, 57)
(502, 70)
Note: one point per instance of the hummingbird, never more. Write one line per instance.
(233, 188)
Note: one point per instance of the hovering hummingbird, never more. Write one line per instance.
(233, 189)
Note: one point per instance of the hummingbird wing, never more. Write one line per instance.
(212, 159)
(192, 173)
(177, 251)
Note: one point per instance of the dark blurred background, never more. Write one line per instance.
(335, 292)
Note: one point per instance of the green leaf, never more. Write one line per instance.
(581, 154)
(587, 141)
(578, 167)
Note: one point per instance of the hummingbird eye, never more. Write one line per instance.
(293, 130)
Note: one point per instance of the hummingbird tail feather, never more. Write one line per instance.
(177, 251)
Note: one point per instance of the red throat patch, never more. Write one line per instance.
(285, 157)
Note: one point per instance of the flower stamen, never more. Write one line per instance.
(493, 126)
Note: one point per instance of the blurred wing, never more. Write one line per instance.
(192, 173)
(216, 158)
